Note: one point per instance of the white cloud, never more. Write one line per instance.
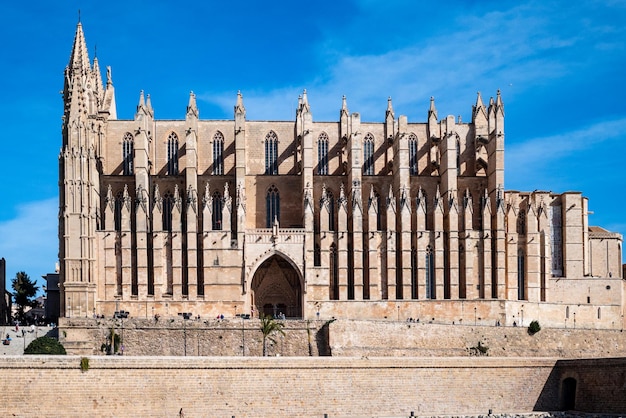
(29, 242)
(542, 151)
(481, 52)
(565, 159)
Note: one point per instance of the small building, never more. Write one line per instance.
(52, 300)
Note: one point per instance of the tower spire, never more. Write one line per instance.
(79, 59)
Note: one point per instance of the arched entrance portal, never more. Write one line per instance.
(276, 288)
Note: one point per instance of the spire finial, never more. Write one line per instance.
(239, 108)
(389, 111)
(432, 110)
(78, 15)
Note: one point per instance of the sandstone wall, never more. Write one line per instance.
(303, 387)
(175, 337)
(232, 337)
(273, 387)
(393, 338)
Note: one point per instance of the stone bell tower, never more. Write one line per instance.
(87, 106)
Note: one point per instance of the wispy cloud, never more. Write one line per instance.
(534, 160)
(29, 241)
(517, 47)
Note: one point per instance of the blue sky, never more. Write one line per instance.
(559, 64)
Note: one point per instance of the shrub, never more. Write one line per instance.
(45, 345)
(84, 364)
(534, 328)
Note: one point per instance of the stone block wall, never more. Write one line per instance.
(271, 387)
(340, 338)
(305, 387)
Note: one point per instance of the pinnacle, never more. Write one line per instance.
(79, 59)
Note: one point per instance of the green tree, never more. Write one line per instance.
(270, 326)
(45, 345)
(24, 291)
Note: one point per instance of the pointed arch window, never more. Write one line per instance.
(413, 155)
(216, 216)
(172, 154)
(458, 158)
(430, 273)
(334, 273)
(168, 205)
(272, 203)
(413, 273)
(218, 154)
(271, 153)
(368, 155)
(127, 153)
(317, 255)
(117, 211)
(556, 238)
(322, 154)
(331, 210)
(521, 275)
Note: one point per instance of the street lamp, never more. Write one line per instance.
(398, 312)
(475, 317)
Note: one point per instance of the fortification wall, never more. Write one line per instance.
(270, 387)
(392, 338)
(339, 338)
(303, 387)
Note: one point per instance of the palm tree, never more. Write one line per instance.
(269, 326)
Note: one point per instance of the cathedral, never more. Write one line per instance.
(308, 219)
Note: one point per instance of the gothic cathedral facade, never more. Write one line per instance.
(345, 219)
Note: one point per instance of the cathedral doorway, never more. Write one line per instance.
(276, 289)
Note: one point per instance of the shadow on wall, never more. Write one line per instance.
(322, 339)
(588, 385)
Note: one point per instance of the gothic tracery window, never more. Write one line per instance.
(368, 155)
(521, 275)
(271, 153)
(430, 273)
(334, 273)
(216, 216)
(413, 273)
(413, 154)
(127, 154)
(272, 202)
(556, 225)
(331, 210)
(117, 211)
(218, 154)
(172, 154)
(458, 158)
(322, 154)
(168, 205)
